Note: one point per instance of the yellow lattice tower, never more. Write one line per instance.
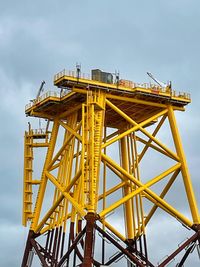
(96, 170)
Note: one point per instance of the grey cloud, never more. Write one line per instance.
(40, 38)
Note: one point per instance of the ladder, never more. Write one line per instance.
(28, 181)
(93, 116)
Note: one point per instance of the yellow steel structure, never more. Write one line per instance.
(106, 133)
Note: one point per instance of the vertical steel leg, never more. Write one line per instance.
(27, 249)
(89, 240)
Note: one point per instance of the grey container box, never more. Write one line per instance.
(102, 76)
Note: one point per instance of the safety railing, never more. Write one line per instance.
(29, 105)
(40, 131)
(64, 92)
(184, 95)
(155, 89)
(71, 73)
(152, 88)
(46, 95)
(41, 98)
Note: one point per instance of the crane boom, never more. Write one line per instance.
(40, 89)
(157, 81)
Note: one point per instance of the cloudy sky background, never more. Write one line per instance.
(40, 38)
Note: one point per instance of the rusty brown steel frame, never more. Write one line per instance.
(48, 255)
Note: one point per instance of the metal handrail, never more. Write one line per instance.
(71, 73)
(153, 88)
(39, 131)
(41, 98)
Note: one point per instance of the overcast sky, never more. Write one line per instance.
(40, 38)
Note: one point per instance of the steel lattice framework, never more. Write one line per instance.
(94, 170)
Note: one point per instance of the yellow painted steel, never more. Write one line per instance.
(138, 199)
(126, 191)
(141, 187)
(162, 195)
(92, 127)
(67, 141)
(114, 231)
(97, 140)
(131, 100)
(42, 188)
(150, 140)
(140, 127)
(29, 144)
(147, 190)
(27, 195)
(112, 190)
(184, 167)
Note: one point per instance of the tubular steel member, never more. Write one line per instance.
(95, 184)
(89, 240)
